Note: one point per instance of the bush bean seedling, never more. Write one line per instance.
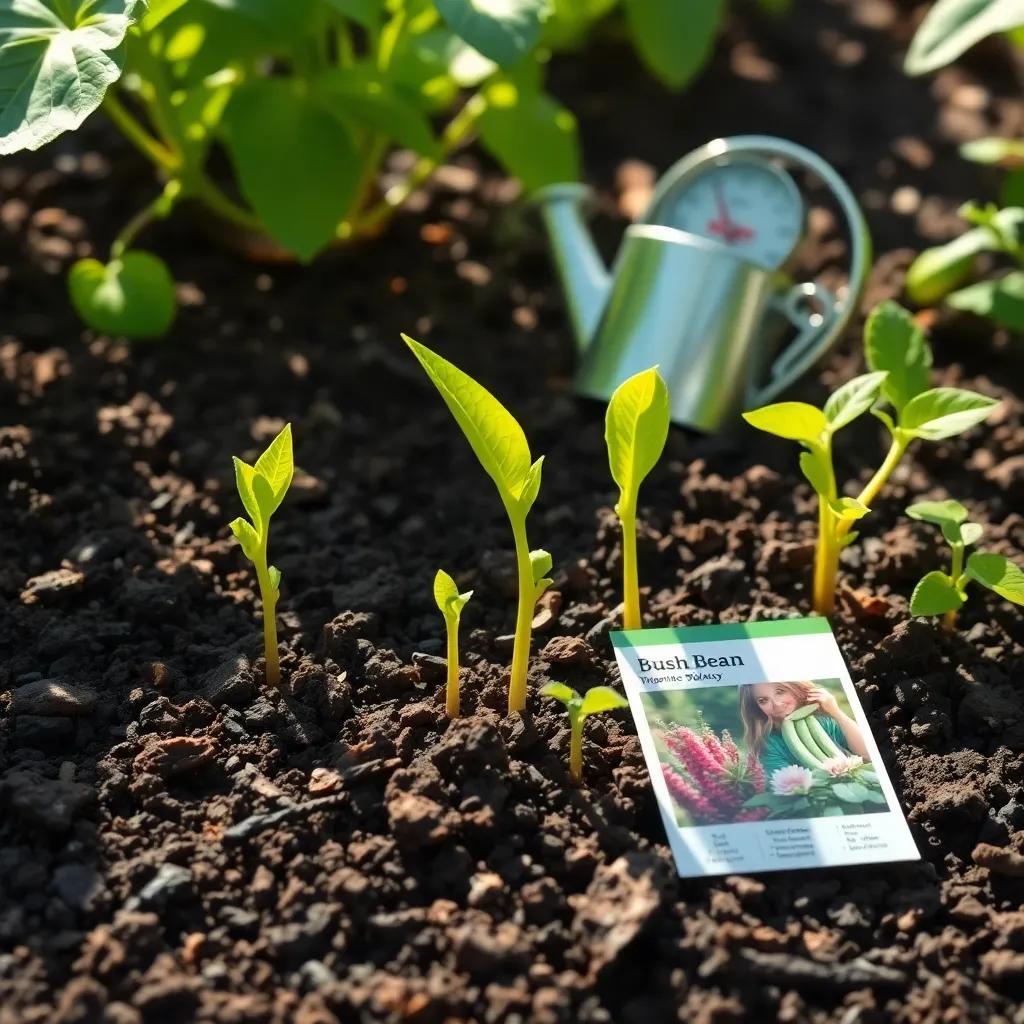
(450, 603)
(636, 428)
(900, 360)
(596, 700)
(940, 593)
(262, 489)
(501, 446)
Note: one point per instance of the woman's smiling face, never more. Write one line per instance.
(775, 700)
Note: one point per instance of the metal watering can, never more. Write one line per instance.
(698, 286)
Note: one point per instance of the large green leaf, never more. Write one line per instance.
(636, 428)
(530, 134)
(944, 412)
(1001, 301)
(998, 574)
(894, 343)
(57, 58)
(673, 37)
(492, 431)
(132, 296)
(296, 163)
(504, 30)
(361, 95)
(953, 26)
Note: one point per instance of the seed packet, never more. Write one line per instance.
(758, 748)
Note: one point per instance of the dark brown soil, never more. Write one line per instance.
(177, 844)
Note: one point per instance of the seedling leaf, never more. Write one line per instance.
(446, 594)
(531, 487)
(945, 412)
(601, 698)
(560, 692)
(636, 428)
(275, 579)
(264, 497)
(540, 565)
(894, 343)
(953, 26)
(276, 464)
(1001, 300)
(244, 476)
(997, 573)
(938, 512)
(795, 421)
(853, 398)
(492, 431)
(935, 594)
(246, 536)
(849, 509)
(970, 533)
(815, 467)
(132, 296)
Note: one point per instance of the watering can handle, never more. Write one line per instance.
(816, 331)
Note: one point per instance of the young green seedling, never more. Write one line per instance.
(450, 603)
(262, 489)
(597, 699)
(900, 360)
(636, 428)
(940, 593)
(500, 445)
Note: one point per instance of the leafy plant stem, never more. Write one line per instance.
(959, 581)
(630, 581)
(452, 689)
(826, 560)
(159, 208)
(897, 449)
(576, 747)
(524, 620)
(153, 150)
(457, 133)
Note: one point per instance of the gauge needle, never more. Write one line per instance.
(724, 225)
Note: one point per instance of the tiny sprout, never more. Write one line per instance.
(262, 489)
(450, 603)
(939, 593)
(636, 428)
(597, 699)
(500, 444)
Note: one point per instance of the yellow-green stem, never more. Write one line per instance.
(826, 560)
(949, 621)
(524, 622)
(873, 488)
(452, 690)
(956, 575)
(576, 749)
(268, 593)
(159, 208)
(155, 151)
(631, 618)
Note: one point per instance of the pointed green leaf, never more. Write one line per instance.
(531, 487)
(602, 698)
(271, 128)
(244, 477)
(816, 467)
(540, 566)
(938, 512)
(795, 421)
(514, 112)
(559, 691)
(57, 58)
(970, 533)
(952, 26)
(275, 579)
(504, 30)
(893, 342)
(276, 464)
(945, 412)
(636, 428)
(935, 594)
(246, 536)
(998, 574)
(447, 597)
(492, 431)
(853, 398)
(674, 39)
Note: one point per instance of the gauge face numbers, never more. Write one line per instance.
(750, 207)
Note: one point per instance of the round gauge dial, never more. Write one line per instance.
(751, 207)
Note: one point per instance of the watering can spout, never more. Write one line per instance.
(585, 279)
